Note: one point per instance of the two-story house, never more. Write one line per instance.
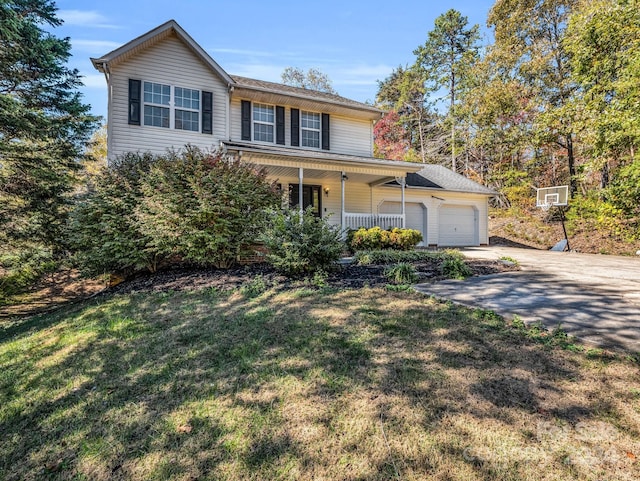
(165, 92)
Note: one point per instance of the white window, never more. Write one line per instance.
(157, 98)
(263, 123)
(166, 106)
(310, 129)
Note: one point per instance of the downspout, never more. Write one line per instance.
(227, 127)
(107, 76)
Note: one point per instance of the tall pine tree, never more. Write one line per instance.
(446, 58)
(43, 126)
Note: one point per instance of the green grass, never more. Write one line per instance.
(309, 383)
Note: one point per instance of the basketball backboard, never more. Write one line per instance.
(548, 196)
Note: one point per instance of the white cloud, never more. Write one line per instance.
(85, 18)
(97, 46)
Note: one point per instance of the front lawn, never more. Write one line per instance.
(305, 384)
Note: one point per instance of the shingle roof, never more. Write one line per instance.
(438, 177)
(273, 87)
(315, 154)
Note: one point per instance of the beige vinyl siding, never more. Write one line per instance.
(351, 136)
(479, 202)
(347, 136)
(169, 62)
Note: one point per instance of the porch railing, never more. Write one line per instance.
(385, 221)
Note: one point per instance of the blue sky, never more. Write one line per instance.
(355, 43)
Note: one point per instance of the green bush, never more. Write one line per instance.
(301, 244)
(383, 257)
(203, 208)
(597, 213)
(188, 205)
(21, 269)
(104, 230)
(402, 273)
(377, 238)
(453, 266)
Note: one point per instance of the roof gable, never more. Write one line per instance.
(153, 37)
(242, 85)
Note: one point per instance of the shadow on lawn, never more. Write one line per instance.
(171, 383)
(137, 373)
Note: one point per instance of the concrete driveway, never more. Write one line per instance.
(593, 297)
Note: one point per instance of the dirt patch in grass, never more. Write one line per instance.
(305, 383)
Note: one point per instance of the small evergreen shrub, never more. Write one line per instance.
(402, 273)
(377, 238)
(299, 245)
(453, 266)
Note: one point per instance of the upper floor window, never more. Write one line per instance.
(187, 102)
(157, 99)
(263, 123)
(310, 129)
(165, 105)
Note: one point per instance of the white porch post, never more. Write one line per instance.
(300, 192)
(404, 214)
(343, 177)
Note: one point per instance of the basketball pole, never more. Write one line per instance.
(564, 230)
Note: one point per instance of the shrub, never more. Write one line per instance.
(382, 257)
(377, 238)
(104, 230)
(453, 266)
(402, 273)
(189, 205)
(301, 244)
(20, 269)
(204, 208)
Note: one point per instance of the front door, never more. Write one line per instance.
(310, 197)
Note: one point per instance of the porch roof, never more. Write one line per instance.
(319, 160)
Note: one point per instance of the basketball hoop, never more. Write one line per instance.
(546, 197)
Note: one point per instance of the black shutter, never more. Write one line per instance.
(246, 120)
(280, 125)
(134, 101)
(325, 131)
(295, 127)
(207, 112)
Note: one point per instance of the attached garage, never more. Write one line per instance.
(457, 225)
(416, 215)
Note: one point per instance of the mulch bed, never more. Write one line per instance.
(68, 287)
(345, 277)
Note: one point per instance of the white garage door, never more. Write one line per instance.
(416, 215)
(457, 226)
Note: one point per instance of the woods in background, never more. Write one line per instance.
(553, 100)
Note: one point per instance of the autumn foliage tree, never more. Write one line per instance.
(391, 138)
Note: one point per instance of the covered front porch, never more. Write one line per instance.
(336, 187)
